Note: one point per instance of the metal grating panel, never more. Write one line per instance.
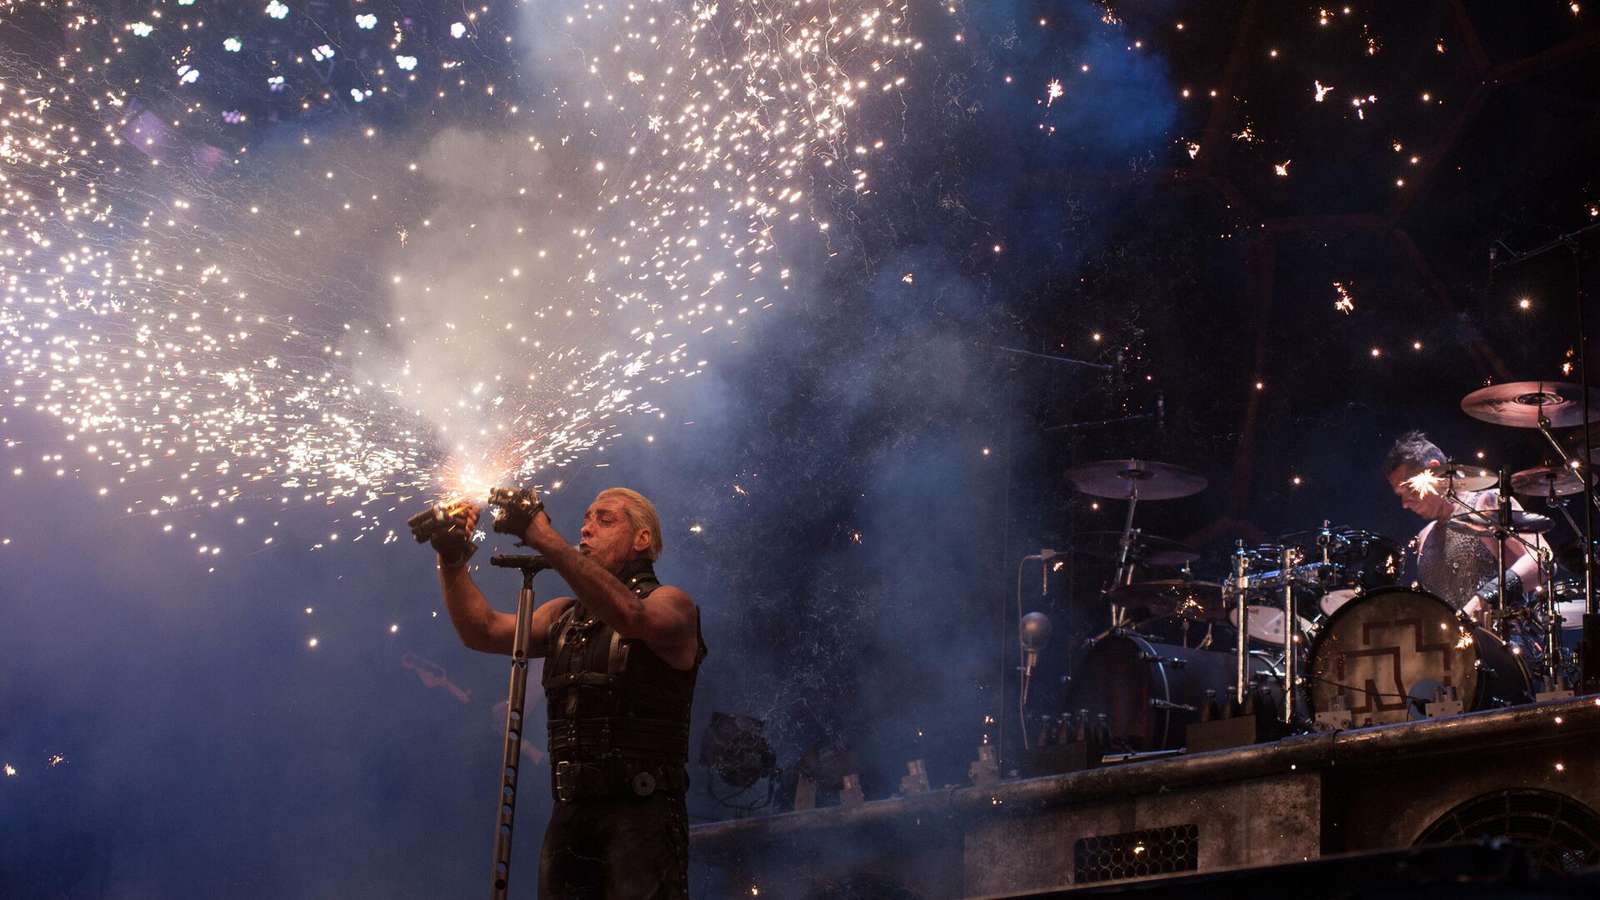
(1136, 854)
(1561, 833)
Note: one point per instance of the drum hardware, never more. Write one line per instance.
(1177, 662)
(1507, 524)
(1291, 631)
(1546, 405)
(1211, 633)
(1133, 480)
(1444, 702)
(1196, 600)
(1335, 717)
(1240, 585)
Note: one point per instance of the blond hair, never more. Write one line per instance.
(641, 514)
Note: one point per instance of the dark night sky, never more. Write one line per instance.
(847, 485)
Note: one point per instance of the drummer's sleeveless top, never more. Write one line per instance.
(1452, 564)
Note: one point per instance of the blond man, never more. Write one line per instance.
(621, 658)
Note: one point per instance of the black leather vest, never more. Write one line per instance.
(610, 697)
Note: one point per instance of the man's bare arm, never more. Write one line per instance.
(666, 623)
(484, 628)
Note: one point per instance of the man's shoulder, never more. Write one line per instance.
(671, 593)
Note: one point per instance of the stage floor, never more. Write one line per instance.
(1528, 772)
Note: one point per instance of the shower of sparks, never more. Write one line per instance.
(1425, 483)
(1345, 303)
(202, 314)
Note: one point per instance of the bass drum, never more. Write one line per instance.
(1389, 652)
(1149, 692)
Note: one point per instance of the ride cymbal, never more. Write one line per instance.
(1519, 404)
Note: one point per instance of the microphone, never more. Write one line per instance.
(525, 561)
(1035, 634)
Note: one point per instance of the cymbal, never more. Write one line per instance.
(1542, 481)
(1116, 479)
(1149, 549)
(1171, 597)
(1519, 403)
(1464, 477)
(1483, 522)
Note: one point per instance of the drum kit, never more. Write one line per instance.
(1321, 626)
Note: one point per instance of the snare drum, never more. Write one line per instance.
(1390, 651)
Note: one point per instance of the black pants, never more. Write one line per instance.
(628, 848)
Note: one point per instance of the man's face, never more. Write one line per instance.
(608, 537)
(1425, 504)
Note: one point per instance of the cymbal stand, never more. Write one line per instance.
(506, 801)
(1501, 532)
(1239, 585)
(1566, 458)
(1589, 651)
(1501, 522)
(1552, 621)
(1125, 550)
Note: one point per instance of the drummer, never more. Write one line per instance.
(1453, 562)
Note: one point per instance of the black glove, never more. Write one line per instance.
(454, 545)
(1490, 590)
(517, 509)
(446, 530)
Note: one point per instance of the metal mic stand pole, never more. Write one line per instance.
(1291, 634)
(1240, 584)
(505, 815)
(1590, 647)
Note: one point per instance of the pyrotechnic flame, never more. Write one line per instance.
(1425, 483)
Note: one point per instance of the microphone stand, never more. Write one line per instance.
(506, 801)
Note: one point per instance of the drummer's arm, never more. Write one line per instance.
(1524, 553)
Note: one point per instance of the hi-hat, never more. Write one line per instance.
(1485, 521)
(1146, 549)
(1520, 403)
(1118, 479)
(1544, 481)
